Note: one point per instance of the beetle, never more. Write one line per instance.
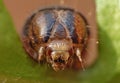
(57, 36)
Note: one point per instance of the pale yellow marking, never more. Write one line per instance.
(78, 53)
(41, 53)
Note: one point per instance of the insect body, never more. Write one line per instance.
(57, 36)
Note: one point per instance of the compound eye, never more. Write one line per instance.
(71, 52)
(65, 56)
(55, 55)
(49, 51)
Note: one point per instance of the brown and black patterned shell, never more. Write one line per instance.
(52, 23)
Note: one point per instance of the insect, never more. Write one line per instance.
(57, 36)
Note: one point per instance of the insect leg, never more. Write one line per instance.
(78, 54)
(41, 54)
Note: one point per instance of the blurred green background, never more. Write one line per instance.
(16, 67)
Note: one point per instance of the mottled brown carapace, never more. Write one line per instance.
(57, 36)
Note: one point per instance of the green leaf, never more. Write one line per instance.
(16, 67)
